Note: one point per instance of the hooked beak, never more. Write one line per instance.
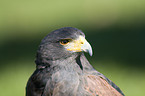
(79, 45)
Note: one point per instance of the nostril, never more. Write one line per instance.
(82, 42)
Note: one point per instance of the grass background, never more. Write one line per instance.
(115, 29)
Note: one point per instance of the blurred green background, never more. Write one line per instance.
(115, 29)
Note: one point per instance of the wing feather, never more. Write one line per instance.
(98, 86)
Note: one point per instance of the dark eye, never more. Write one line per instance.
(64, 41)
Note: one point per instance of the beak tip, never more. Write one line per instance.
(90, 53)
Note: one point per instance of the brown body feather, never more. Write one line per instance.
(98, 86)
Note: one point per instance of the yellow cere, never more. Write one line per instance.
(75, 45)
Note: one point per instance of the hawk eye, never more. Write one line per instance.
(64, 41)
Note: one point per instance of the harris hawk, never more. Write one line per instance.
(63, 70)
